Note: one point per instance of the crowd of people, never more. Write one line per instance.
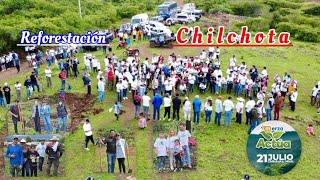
(27, 158)
(10, 60)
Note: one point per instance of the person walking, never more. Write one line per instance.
(228, 107)
(218, 110)
(54, 151)
(156, 102)
(36, 109)
(62, 117)
(15, 154)
(46, 116)
(88, 133)
(121, 152)
(196, 104)
(176, 103)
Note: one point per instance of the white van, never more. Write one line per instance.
(139, 20)
(184, 18)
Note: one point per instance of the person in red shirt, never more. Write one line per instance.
(63, 77)
(110, 77)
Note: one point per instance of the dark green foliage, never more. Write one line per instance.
(315, 11)
(247, 8)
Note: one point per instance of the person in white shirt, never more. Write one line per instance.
(228, 107)
(18, 86)
(232, 61)
(146, 104)
(48, 74)
(249, 106)
(208, 110)
(101, 89)
(218, 110)
(88, 133)
(191, 81)
(314, 93)
(125, 86)
(187, 109)
(293, 99)
(167, 106)
(119, 88)
(41, 149)
(239, 110)
(184, 136)
(160, 147)
(170, 145)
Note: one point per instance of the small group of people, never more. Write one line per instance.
(116, 147)
(176, 147)
(315, 97)
(10, 60)
(41, 114)
(27, 158)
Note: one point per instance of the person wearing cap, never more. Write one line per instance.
(7, 92)
(62, 117)
(54, 151)
(239, 109)
(26, 158)
(41, 149)
(218, 110)
(269, 106)
(15, 154)
(46, 116)
(15, 112)
(208, 109)
(156, 102)
(196, 104)
(228, 107)
(34, 156)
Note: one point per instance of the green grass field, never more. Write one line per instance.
(221, 151)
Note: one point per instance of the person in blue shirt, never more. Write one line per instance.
(15, 154)
(196, 109)
(157, 101)
(45, 112)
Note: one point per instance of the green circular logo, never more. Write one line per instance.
(274, 148)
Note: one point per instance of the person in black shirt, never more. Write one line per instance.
(7, 92)
(33, 161)
(54, 151)
(110, 143)
(28, 85)
(34, 81)
(176, 103)
(15, 113)
(75, 70)
(26, 158)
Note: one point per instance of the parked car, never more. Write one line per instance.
(139, 20)
(157, 27)
(157, 18)
(184, 18)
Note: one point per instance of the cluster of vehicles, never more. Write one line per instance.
(168, 13)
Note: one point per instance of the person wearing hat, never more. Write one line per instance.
(26, 158)
(239, 109)
(15, 112)
(269, 106)
(196, 104)
(15, 154)
(54, 151)
(218, 110)
(41, 149)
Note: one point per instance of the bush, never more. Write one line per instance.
(220, 8)
(287, 27)
(248, 8)
(258, 24)
(277, 4)
(308, 34)
(315, 11)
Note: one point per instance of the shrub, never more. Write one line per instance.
(248, 8)
(277, 4)
(258, 24)
(315, 11)
(308, 34)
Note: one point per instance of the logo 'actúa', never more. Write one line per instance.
(271, 139)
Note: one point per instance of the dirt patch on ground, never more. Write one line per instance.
(79, 106)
